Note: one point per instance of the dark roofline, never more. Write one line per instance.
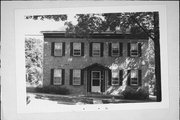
(96, 65)
(104, 35)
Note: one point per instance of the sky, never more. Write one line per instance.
(35, 26)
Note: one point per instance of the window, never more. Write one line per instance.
(96, 50)
(115, 49)
(57, 77)
(134, 77)
(115, 77)
(57, 49)
(134, 49)
(96, 76)
(76, 77)
(76, 49)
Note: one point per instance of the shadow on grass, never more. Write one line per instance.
(66, 100)
(74, 100)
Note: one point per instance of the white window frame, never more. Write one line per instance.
(115, 80)
(131, 51)
(57, 49)
(93, 49)
(131, 80)
(60, 77)
(73, 76)
(78, 49)
(112, 49)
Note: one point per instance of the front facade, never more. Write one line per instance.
(88, 65)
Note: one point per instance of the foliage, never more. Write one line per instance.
(138, 22)
(53, 89)
(42, 17)
(34, 59)
(131, 93)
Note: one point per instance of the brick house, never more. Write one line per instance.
(84, 65)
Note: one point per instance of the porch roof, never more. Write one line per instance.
(96, 65)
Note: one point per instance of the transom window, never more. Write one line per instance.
(76, 49)
(134, 77)
(76, 77)
(58, 49)
(96, 49)
(134, 49)
(57, 77)
(115, 77)
(115, 49)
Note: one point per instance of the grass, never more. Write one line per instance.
(73, 100)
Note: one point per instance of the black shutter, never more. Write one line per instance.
(102, 49)
(139, 49)
(109, 77)
(128, 77)
(120, 49)
(63, 49)
(128, 49)
(52, 48)
(120, 77)
(52, 76)
(139, 77)
(71, 49)
(82, 77)
(110, 48)
(71, 77)
(82, 49)
(102, 81)
(90, 49)
(88, 81)
(63, 76)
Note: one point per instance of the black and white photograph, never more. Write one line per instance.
(96, 58)
(89, 60)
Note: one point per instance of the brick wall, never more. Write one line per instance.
(68, 62)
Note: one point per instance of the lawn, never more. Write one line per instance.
(79, 100)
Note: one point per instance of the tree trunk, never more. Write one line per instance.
(157, 56)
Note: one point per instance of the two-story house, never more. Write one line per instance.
(84, 65)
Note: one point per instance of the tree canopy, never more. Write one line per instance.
(137, 22)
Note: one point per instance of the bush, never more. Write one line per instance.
(142, 93)
(53, 90)
(135, 94)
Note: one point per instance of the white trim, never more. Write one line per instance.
(73, 77)
(99, 80)
(99, 49)
(80, 49)
(118, 50)
(137, 71)
(113, 80)
(137, 49)
(60, 82)
(61, 54)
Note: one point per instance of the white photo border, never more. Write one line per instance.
(20, 58)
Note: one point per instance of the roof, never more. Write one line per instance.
(96, 65)
(104, 35)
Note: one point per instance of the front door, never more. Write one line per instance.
(96, 81)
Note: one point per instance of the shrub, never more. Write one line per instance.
(135, 94)
(129, 93)
(142, 93)
(53, 90)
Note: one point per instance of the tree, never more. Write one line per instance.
(144, 23)
(34, 58)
